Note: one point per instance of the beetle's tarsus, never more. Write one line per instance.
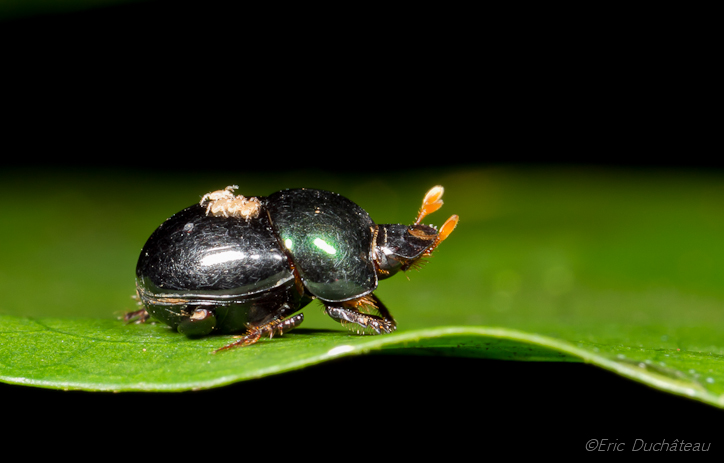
(352, 315)
(272, 328)
(136, 316)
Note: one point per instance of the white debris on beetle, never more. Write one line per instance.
(223, 203)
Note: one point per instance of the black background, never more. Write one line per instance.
(156, 84)
(159, 85)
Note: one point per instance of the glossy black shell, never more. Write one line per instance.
(243, 270)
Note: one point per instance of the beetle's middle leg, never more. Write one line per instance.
(356, 316)
(255, 333)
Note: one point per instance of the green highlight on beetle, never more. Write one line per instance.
(324, 246)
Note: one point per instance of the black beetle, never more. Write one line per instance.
(236, 264)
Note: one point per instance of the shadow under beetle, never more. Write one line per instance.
(236, 264)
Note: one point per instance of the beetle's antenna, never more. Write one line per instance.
(431, 202)
(448, 228)
(445, 231)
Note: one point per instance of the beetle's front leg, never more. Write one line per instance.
(356, 315)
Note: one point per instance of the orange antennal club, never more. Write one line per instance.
(447, 228)
(445, 231)
(431, 202)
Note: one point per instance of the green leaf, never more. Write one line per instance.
(618, 269)
(107, 355)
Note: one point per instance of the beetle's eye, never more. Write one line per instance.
(387, 263)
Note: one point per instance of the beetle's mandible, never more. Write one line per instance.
(235, 264)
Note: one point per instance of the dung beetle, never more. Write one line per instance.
(235, 264)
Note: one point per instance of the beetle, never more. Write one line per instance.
(233, 264)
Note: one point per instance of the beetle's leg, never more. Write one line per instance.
(137, 316)
(353, 315)
(273, 327)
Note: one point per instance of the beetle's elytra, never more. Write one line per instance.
(235, 264)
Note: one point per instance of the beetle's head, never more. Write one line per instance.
(399, 247)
